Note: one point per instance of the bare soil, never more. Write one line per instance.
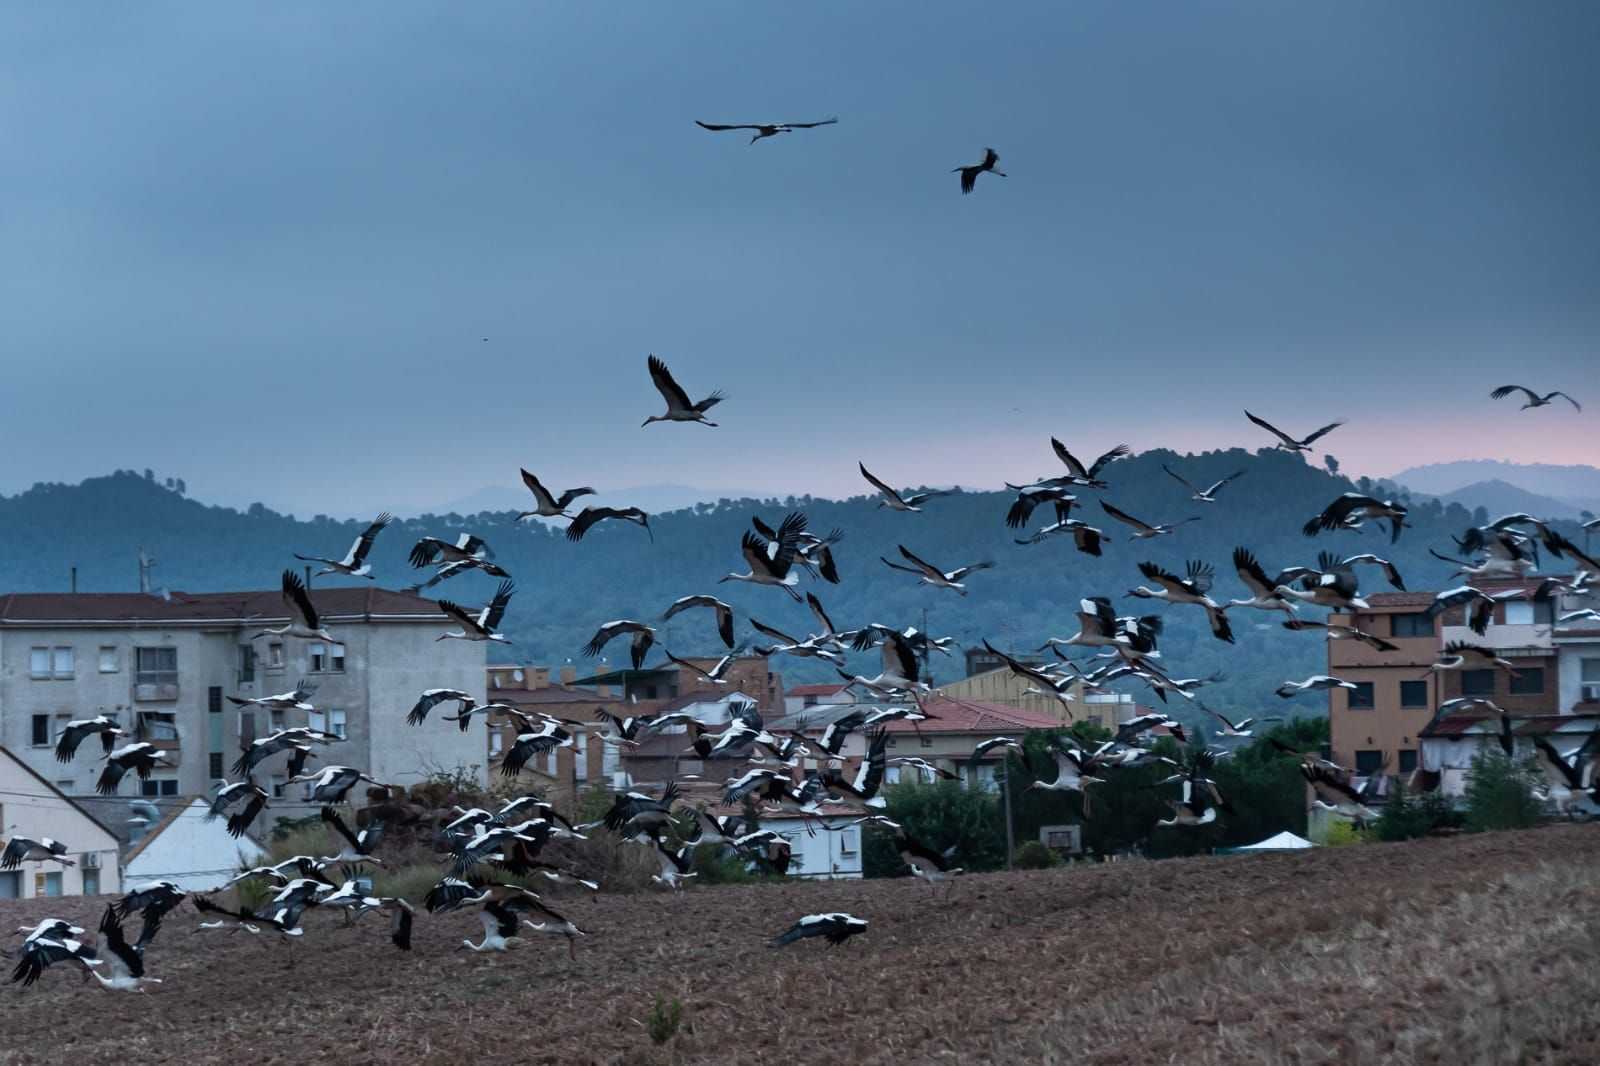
(1472, 949)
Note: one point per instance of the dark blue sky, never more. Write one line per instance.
(261, 247)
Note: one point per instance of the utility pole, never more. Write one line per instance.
(1005, 789)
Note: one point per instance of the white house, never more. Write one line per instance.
(184, 848)
(30, 806)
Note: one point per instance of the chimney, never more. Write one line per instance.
(569, 674)
(74, 580)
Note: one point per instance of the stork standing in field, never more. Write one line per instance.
(485, 624)
(1205, 495)
(836, 928)
(74, 733)
(969, 175)
(932, 575)
(775, 567)
(679, 407)
(304, 623)
(898, 501)
(546, 503)
(1288, 443)
(766, 129)
(354, 563)
(1534, 399)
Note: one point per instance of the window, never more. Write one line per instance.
(336, 658)
(275, 654)
(159, 786)
(1360, 697)
(155, 666)
(214, 764)
(91, 882)
(214, 699)
(1369, 762)
(1519, 613)
(894, 742)
(927, 742)
(48, 884)
(318, 653)
(39, 663)
(1416, 624)
(247, 663)
(497, 742)
(1528, 681)
(1477, 682)
(11, 885)
(62, 663)
(1589, 678)
(247, 727)
(41, 730)
(1544, 611)
(891, 775)
(330, 721)
(67, 787)
(108, 659)
(1413, 693)
(847, 842)
(157, 725)
(275, 786)
(1408, 760)
(45, 663)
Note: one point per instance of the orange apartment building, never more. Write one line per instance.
(1378, 724)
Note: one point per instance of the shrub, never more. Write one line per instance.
(1403, 818)
(1342, 833)
(1034, 855)
(665, 1017)
(1500, 793)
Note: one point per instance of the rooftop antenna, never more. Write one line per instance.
(145, 563)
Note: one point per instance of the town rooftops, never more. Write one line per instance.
(1377, 600)
(949, 715)
(816, 690)
(209, 608)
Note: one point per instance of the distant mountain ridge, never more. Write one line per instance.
(565, 590)
(1572, 488)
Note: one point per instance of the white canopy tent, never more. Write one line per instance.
(1284, 841)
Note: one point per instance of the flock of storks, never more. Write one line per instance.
(512, 840)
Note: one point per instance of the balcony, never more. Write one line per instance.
(159, 729)
(1512, 641)
(155, 691)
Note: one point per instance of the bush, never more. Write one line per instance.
(1500, 793)
(665, 1017)
(938, 816)
(1403, 818)
(1342, 833)
(1035, 856)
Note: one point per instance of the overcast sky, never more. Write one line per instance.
(345, 256)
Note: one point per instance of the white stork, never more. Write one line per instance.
(836, 927)
(589, 516)
(1534, 399)
(1144, 530)
(332, 784)
(1288, 443)
(485, 624)
(23, 849)
(766, 129)
(303, 620)
(775, 567)
(546, 503)
(1315, 683)
(969, 175)
(140, 757)
(933, 575)
(432, 697)
(1205, 495)
(354, 563)
(1192, 589)
(679, 408)
(73, 734)
(900, 501)
(644, 637)
(724, 613)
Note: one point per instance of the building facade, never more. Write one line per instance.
(30, 806)
(164, 665)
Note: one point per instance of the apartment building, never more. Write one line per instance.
(164, 665)
(1380, 724)
(30, 806)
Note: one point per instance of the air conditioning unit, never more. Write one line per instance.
(91, 860)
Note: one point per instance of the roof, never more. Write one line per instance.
(948, 715)
(68, 800)
(1464, 723)
(622, 677)
(209, 608)
(172, 815)
(551, 694)
(116, 813)
(816, 690)
(1399, 599)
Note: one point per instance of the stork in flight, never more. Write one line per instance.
(1288, 443)
(1534, 399)
(546, 503)
(354, 563)
(1144, 530)
(897, 501)
(304, 622)
(775, 567)
(969, 175)
(483, 625)
(679, 409)
(932, 575)
(643, 638)
(590, 515)
(724, 613)
(837, 928)
(1206, 495)
(766, 129)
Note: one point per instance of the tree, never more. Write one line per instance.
(1500, 792)
(938, 816)
(1332, 464)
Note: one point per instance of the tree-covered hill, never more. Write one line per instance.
(565, 590)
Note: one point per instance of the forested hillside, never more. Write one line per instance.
(565, 590)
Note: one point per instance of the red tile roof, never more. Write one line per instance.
(815, 690)
(1399, 599)
(948, 715)
(263, 606)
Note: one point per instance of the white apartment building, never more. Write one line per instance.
(163, 665)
